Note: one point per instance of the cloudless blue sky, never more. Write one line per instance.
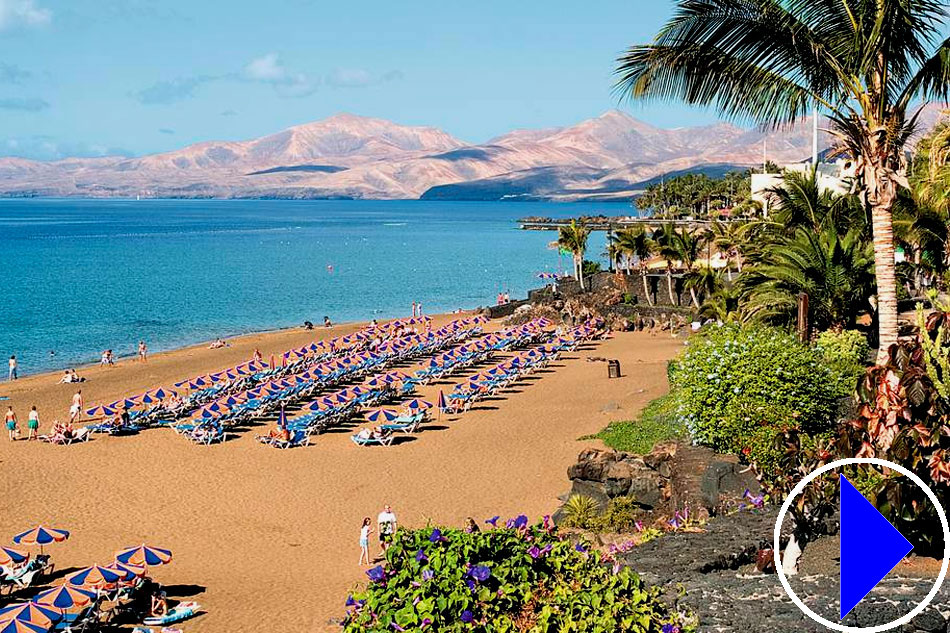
(87, 77)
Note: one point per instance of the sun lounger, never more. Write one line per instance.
(181, 612)
(385, 440)
(403, 427)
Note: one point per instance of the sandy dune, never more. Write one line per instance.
(262, 535)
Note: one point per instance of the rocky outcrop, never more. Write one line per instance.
(711, 572)
(672, 477)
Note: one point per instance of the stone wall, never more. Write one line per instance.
(670, 478)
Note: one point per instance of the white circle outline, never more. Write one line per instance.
(798, 489)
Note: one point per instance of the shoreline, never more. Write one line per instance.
(264, 331)
(164, 368)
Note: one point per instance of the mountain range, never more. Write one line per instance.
(610, 157)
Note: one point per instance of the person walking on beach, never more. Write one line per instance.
(10, 419)
(75, 410)
(365, 531)
(12, 374)
(33, 424)
(413, 309)
(386, 523)
(143, 352)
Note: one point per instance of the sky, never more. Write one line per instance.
(97, 77)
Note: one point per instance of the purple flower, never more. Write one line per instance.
(350, 602)
(467, 616)
(426, 622)
(470, 584)
(421, 556)
(428, 574)
(671, 628)
(639, 526)
(436, 535)
(546, 549)
(481, 573)
(376, 574)
(580, 548)
(397, 627)
(493, 521)
(534, 552)
(521, 521)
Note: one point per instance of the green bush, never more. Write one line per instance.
(846, 353)
(520, 578)
(657, 423)
(620, 516)
(735, 389)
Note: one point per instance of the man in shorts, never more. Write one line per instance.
(386, 522)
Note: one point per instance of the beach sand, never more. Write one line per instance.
(267, 539)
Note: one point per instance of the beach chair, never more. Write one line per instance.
(385, 440)
(403, 427)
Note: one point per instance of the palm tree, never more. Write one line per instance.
(801, 201)
(835, 271)
(723, 304)
(665, 239)
(573, 239)
(687, 249)
(635, 244)
(866, 64)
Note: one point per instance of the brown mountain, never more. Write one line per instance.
(348, 156)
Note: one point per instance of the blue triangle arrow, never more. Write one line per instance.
(870, 547)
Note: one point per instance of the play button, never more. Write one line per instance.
(870, 546)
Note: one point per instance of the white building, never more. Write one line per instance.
(835, 177)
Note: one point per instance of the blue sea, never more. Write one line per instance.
(80, 276)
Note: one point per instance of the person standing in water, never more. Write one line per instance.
(12, 374)
(143, 352)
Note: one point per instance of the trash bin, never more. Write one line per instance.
(613, 369)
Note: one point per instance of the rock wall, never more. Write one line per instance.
(670, 478)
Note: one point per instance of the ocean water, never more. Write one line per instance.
(80, 276)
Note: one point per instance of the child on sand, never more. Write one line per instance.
(365, 531)
(10, 419)
(33, 424)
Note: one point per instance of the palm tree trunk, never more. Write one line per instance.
(646, 287)
(669, 283)
(692, 294)
(882, 193)
(579, 269)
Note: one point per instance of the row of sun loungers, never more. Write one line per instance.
(273, 395)
(489, 382)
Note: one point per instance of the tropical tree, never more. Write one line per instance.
(665, 239)
(686, 245)
(573, 239)
(835, 271)
(865, 64)
(635, 245)
(801, 201)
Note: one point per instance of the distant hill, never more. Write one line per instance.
(347, 156)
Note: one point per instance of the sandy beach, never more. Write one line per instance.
(263, 535)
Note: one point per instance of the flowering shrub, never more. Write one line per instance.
(737, 389)
(520, 577)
